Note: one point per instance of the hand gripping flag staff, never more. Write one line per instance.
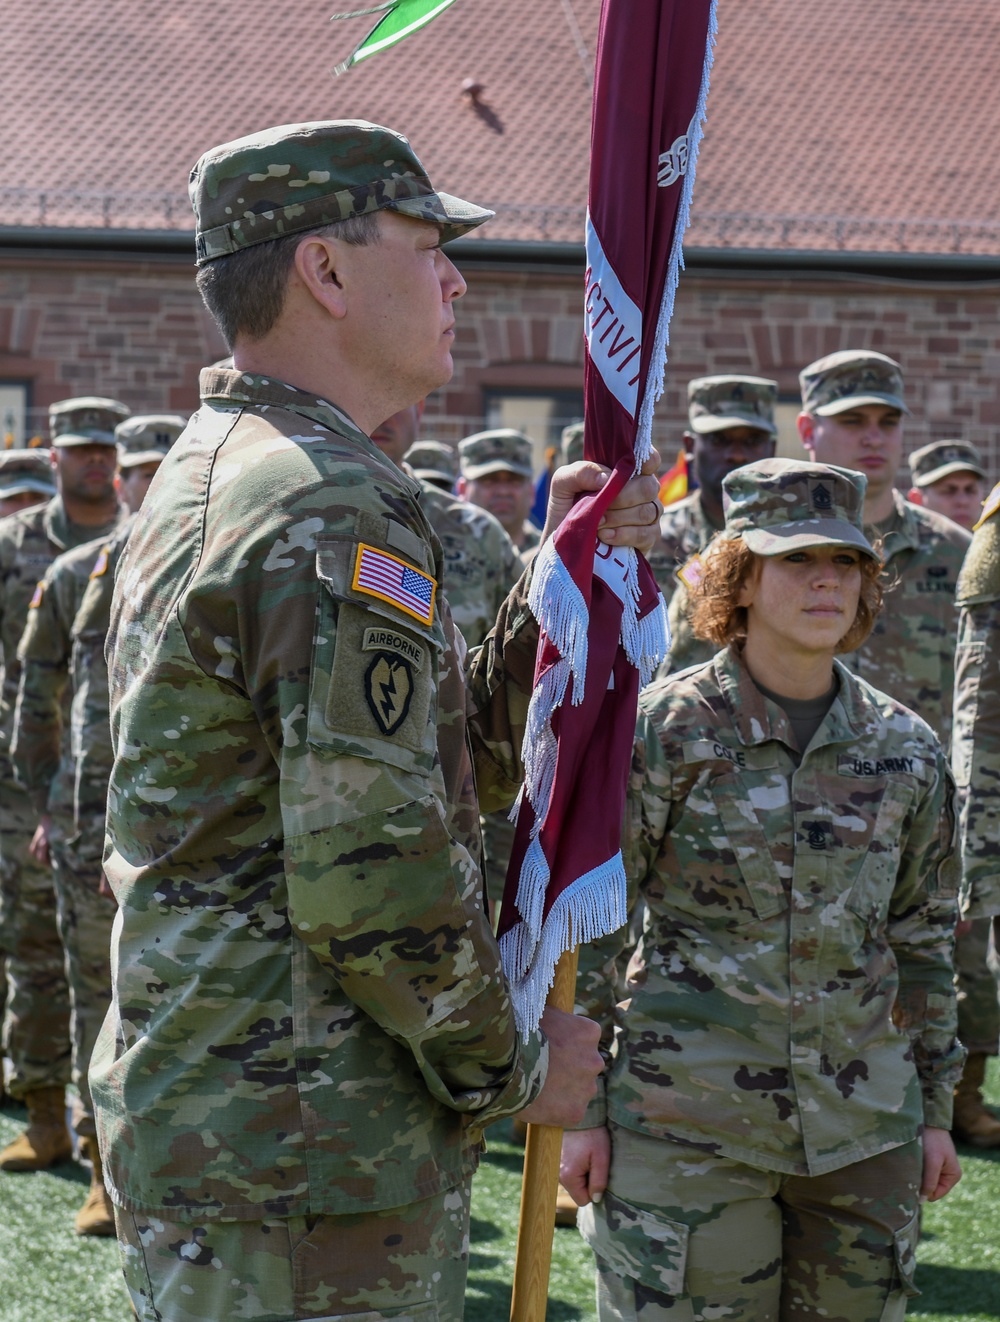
(603, 627)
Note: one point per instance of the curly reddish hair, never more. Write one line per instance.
(716, 615)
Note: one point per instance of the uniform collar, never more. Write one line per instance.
(757, 720)
(904, 535)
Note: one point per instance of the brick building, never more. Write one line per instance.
(845, 197)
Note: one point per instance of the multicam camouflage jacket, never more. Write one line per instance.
(684, 531)
(309, 1012)
(910, 653)
(481, 563)
(29, 541)
(41, 750)
(790, 1001)
(90, 719)
(976, 736)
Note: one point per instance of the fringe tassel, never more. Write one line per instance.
(558, 605)
(658, 360)
(531, 887)
(539, 747)
(647, 641)
(594, 904)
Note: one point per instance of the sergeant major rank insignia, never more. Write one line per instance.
(821, 498)
(388, 690)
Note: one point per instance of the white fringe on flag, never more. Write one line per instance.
(646, 641)
(593, 905)
(539, 747)
(558, 606)
(658, 360)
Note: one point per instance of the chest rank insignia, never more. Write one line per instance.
(379, 574)
(821, 498)
(388, 690)
(815, 835)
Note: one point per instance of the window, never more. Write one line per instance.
(13, 414)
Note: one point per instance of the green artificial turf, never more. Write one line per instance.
(48, 1274)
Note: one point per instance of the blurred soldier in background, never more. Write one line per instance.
(433, 462)
(70, 832)
(25, 480)
(731, 423)
(948, 477)
(495, 473)
(36, 1028)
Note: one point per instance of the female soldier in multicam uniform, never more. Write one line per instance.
(779, 1094)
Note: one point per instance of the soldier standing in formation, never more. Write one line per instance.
(780, 1086)
(948, 477)
(71, 810)
(434, 462)
(730, 423)
(36, 1026)
(310, 1025)
(495, 473)
(25, 480)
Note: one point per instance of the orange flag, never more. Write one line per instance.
(674, 482)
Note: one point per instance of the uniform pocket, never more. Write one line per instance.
(905, 1265)
(636, 1243)
(876, 880)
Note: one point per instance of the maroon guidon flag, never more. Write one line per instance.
(603, 623)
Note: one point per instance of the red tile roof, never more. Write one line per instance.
(831, 125)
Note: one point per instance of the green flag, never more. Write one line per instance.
(403, 17)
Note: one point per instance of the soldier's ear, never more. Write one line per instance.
(317, 268)
(806, 424)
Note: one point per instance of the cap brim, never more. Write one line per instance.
(712, 422)
(946, 470)
(801, 535)
(434, 475)
(69, 441)
(856, 401)
(455, 216)
(143, 457)
(22, 485)
(495, 466)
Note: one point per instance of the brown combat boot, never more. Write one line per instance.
(46, 1141)
(97, 1215)
(973, 1123)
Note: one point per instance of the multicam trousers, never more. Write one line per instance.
(407, 1263)
(36, 1025)
(682, 1236)
(976, 966)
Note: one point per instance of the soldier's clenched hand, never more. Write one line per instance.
(574, 1065)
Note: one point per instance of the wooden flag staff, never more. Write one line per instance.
(535, 1229)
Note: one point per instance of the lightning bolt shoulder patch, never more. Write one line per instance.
(388, 690)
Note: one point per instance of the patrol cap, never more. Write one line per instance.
(571, 446)
(718, 402)
(848, 379)
(940, 459)
(433, 461)
(146, 438)
(90, 416)
(500, 451)
(25, 470)
(782, 505)
(299, 177)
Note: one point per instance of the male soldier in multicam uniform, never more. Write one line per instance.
(310, 1026)
(434, 462)
(731, 423)
(25, 480)
(852, 415)
(976, 762)
(495, 473)
(36, 1029)
(71, 810)
(948, 477)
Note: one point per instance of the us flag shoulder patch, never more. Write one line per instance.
(382, 575)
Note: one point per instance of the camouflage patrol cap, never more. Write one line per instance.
(849, 378)
(299, 177)
(500, 451)
(146, 438)
(433, 461)
(718, 402)
(25, 470)
(782, 505)
(571, 447)
(940, 459)
(88, 417)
